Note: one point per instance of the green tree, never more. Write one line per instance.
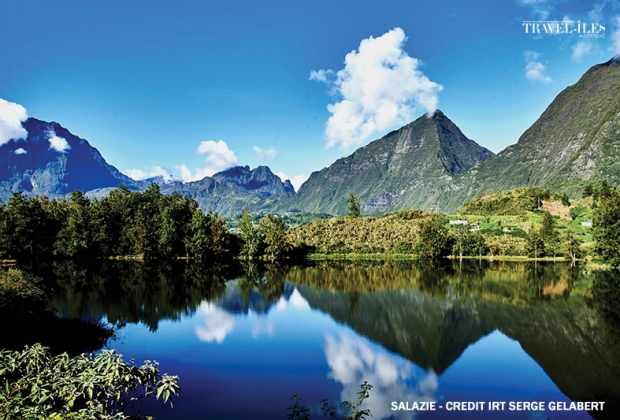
(606, 228)
(434, 238)
(549, 233)
(249, 236)
(274, 236)
(572, 245)
(75, 238)
(354, 206)
(535, 246)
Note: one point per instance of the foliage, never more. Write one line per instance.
(434, 240)
(466, 242)
(572, 244)
(249, 236)
(19, 291)
(274, 236)
(299, 412)
(606, 228)
(128, 223)
(354, 206)
(365, 235)
(36, 385)
(549, 233)
(510, 202)
(535, 246)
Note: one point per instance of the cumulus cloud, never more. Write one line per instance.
(296, 181)
(58, 143)
(581, 49)
(353, 360)
(20, 151)
(269, 154)
(219, 158)
(140, 174)
(11, 117)
(534, 69)
(218, 323)
(378, 89)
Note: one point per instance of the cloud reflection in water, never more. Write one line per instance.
(218, 323)
(353, 360)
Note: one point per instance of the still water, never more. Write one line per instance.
(244, 342)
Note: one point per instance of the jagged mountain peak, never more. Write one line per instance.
(400, 170)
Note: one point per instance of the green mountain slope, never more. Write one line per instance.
(575, 139)
(405, 169)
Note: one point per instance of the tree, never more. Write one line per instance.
(535, 246)
(549, 233)
(434, 239)
(249, 235)
(606, 228)
(572, 244)
(75, 238)
(273, 231)
(354, 206)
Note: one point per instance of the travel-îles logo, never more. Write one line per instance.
(568, 27)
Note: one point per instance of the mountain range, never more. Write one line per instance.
(428, 164)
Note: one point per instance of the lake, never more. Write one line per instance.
(475, 340)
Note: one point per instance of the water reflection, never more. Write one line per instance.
(353, 359)
(402, 327)
(218, 323)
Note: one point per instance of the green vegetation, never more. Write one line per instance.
(354, 206)
(515, 202)
(145, 224)
(300, 412)
(36, 385)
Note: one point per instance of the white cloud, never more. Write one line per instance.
(321, 75)
(581, 49)
(58, 143)
(11, 117)
(296, 181)
(218, 323)
(541, 9)
(534, 69)
(615, 37)
(219, 158)
(140, 174)
(378, 89)
(20, 151)
(269, 154)
(353, 360)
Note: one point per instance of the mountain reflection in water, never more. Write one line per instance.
(475, 332)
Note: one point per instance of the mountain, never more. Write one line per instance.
(54, 162)
(577, 138)
(407, 168)
(229, 192)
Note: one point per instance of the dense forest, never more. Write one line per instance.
(125, 223)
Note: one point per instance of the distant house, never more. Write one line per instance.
(458, 222)
(587, 223)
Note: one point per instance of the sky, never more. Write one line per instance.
(188, 88)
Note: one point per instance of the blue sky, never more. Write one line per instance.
(191, 87)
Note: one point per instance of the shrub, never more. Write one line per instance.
(36, 385)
